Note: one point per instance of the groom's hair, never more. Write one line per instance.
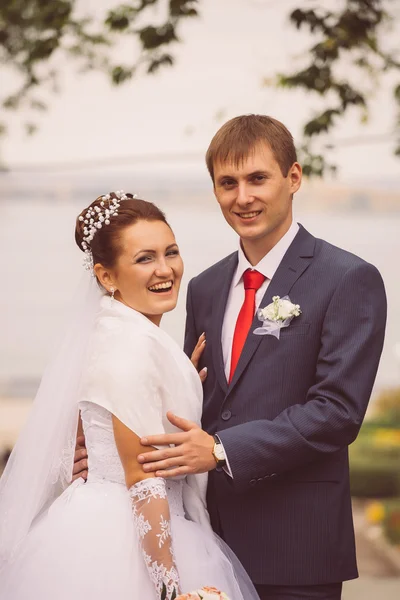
(237, 139)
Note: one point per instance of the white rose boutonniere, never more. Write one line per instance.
(276, 315)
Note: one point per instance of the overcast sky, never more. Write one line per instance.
(221, 63)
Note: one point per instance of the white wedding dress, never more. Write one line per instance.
(99, 541)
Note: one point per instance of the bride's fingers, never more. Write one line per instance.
(203, 375)
(199, 349)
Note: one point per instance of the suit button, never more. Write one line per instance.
(253, 481)
(226, 415)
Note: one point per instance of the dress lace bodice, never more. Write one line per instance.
(153, 500)
(103, 458)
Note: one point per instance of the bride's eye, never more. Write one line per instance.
(143, 259)
(173, 253)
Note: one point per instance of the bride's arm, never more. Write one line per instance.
(150, 512)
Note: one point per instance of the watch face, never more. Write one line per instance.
(219, 452)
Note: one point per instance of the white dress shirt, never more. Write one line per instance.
(267, 266)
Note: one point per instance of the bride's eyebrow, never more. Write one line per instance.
(149, 251)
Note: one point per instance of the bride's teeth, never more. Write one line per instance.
(161, 286)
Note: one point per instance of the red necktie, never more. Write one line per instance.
(252, 280)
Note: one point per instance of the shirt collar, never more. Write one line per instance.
(271, 261)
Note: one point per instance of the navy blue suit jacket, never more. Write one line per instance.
(291, 411)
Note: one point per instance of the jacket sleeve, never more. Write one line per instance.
(329, 420)
(191, 335)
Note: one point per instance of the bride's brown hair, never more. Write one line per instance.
(105, 245)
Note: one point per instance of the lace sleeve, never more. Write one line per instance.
(152, 520)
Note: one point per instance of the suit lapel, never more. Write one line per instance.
(296, 260)
(218, 311)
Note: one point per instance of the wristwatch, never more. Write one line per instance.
(219, 453)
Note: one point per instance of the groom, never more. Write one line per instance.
(279, 413)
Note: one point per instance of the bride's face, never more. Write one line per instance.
(149, 270)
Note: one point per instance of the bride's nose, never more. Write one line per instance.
(163, 269)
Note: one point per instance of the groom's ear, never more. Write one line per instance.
(295, 176)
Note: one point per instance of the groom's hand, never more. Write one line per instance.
(192, 451)
(80, 468)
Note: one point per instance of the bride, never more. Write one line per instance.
(123, 534)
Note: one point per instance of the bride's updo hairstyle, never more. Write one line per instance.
(105, 245)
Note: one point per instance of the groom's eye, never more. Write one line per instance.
(258, 178)
(227, 183)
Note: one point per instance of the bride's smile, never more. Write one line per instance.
(148, 271)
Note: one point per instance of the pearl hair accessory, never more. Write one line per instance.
(95, 218)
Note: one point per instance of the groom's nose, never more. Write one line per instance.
(244, 198)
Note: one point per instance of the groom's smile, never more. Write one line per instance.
(248, 216)
(256, 198)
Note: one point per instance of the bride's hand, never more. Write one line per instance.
(196, 355)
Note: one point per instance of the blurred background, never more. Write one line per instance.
(97, 96)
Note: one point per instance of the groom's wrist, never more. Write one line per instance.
(219, 453)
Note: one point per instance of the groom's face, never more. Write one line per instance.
(254, 196)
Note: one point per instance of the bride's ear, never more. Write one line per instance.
(104, 277)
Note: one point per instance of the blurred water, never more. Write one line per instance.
(41, 267)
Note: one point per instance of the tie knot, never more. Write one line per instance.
(252, 280)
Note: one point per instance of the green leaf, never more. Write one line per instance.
(43, 49)
(156, 63)
(121, 74)
(322, 123)
(30, 128)
(38, 105)
(12, 102)
(315, 78)
(182, 8)
(153, 37)
(121, 17)
(349, 95)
